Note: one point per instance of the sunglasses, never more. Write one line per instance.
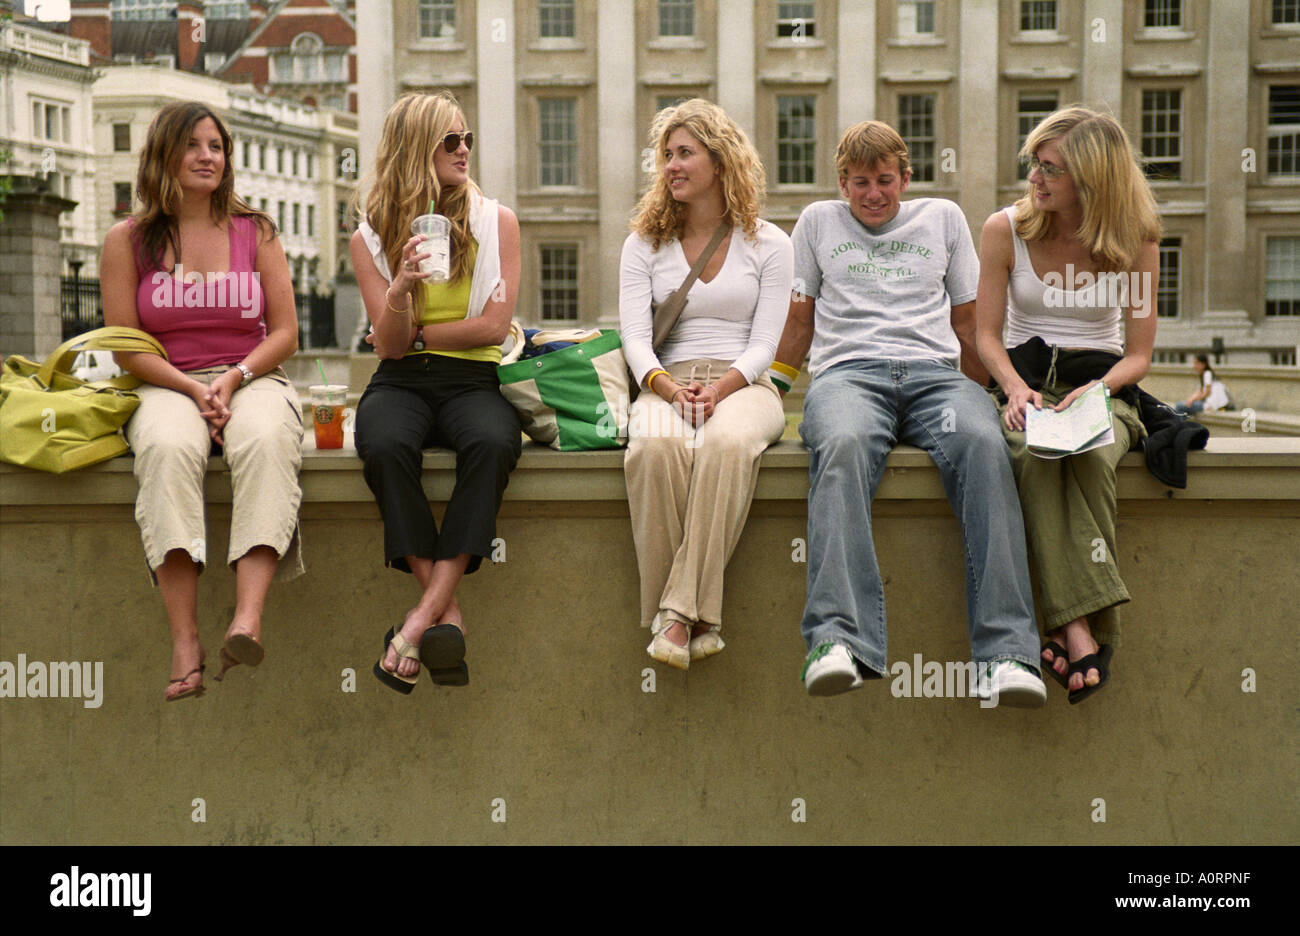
(452, 140)
(1046, 170)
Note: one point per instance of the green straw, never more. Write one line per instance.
(431, 206)
(322, 372)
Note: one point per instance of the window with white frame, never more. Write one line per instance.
(915, 18)
(1162, 133)
(1038, 15)
(1162, 14)
(226, 9)
(279, 215)
(311, 220)
(342, 217)
(141, 9)
(676, 17)
(121, 138)
(1031, 108)
(670, 100)
(916, 127)
(437, 19)
(51, 120)
(1286, 12)
(558, 298)
(555, 19)
(121, 198)
(297, 216)
(796, 139)
(1169, 284)
(1284, 130)
(796, 20)
(1282, 276)
(557, 120)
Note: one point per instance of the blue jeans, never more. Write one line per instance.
(854, 414)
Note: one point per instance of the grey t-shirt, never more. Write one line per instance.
(884, 292)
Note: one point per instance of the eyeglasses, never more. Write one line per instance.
(452, 140)
(1046, 170)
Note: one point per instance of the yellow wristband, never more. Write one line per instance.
(787, 370)
(650, 377)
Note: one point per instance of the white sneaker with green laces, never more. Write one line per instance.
(829, 670)
(1014, 684)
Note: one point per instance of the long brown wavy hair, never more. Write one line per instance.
(404, 181)
(659, 217)
(160, 193)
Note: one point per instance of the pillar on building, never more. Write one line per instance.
(977, 152)
(497, 168)
(1103, 54)
(736, 42)
(617, 142)
(855, 57)
(31, 264)
(1226, 89)
(376, 81)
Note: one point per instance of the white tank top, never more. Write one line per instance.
(1068, 318)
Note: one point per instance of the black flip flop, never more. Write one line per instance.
(1100, 661)
(1049, 669)
(404, 685)
(442, 653)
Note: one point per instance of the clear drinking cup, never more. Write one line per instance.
(437, 244)
(327, 409)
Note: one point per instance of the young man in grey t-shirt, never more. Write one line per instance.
(884, 294)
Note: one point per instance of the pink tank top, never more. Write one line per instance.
(211, 323)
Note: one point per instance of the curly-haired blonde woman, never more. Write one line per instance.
(1087, 222)
(708, 408)
(205, 274)
(436, 384)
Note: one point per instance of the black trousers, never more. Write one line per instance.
(426, 400)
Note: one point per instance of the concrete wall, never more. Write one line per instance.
(556, 722)
(30, 265)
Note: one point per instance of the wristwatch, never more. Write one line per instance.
(248, 375)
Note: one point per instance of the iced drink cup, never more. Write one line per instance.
(327, 403)
(437, 244)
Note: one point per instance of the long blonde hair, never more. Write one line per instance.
(1119, 211)
(659, 217)
(160, 193)
(404, 181)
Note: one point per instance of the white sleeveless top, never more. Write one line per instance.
(1068, 318)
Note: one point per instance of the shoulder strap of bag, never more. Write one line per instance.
(667, 314)
(111, 338)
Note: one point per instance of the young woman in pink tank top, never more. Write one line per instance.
(204, 273)
(1075, 265)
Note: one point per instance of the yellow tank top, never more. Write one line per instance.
(449, 302)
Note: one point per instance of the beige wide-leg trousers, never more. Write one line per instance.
(689, 490)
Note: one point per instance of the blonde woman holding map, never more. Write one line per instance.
(1065, 302)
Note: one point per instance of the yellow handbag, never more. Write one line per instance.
(53, 421)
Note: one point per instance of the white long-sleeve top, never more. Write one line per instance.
(737, 316)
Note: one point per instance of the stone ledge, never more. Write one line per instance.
(1247, 468)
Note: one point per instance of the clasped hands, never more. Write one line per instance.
(213, 401)
(695, 402)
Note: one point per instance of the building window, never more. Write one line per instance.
(1162, 134)
(1282, 276)
(1038, 15)
(263, 207)
(1284, 130)
(796, 139)
(311, 220)
(343, 217)
(1168, 286)
(1031, 108)
(676, 17)
(1163, 14)
(1169, 357)
(670, 100)
(1286, 12)
(558, 136)
(437, 19)
(556, 19)
(279, 160)
(916, 127)
(121, 198)
(297, 214)
(279, 215)
(121, 138)
(51, 121)
(559, 293)
(1283, 357)
(293, 163)
(141, 9)
(261, 157)
(915, 18)
(796, 20)
(247, 148)
(311, 166)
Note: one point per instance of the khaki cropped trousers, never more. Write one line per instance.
(1070, 506)
(263, 447)
(689, 490)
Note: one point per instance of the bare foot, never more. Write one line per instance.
(1079, 642)
(412, 630)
